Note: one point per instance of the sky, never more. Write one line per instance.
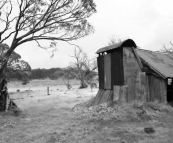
(148, 22)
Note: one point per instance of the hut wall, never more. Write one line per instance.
(157, 89)
(131, 70)
(100, 61)
(141, 88)
(117, 72)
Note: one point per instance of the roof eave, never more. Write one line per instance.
(153, 68)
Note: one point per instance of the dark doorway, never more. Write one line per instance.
(170, 91)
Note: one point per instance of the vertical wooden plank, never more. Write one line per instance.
(157, 88)
(124, 96)
(117, 71)
(100, 62)
(110, 98)
(116, 93)
(98, 97)
(164, 96)
(105, 96)
(120, 94)
(107, 71)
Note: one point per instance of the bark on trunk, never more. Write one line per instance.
(83, 83)
(3, 94)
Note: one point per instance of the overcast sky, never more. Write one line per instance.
(148, 22)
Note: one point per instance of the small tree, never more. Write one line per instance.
(85, 66)
(66, 75)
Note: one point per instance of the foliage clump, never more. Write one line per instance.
(136, 111)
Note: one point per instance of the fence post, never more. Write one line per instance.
(48, 91)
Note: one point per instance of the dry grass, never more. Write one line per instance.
(130, 121)
(40, 83)
(54, 119)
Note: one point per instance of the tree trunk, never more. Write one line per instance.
(83, 82)
(4, 96)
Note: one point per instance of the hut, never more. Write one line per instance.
(127, 73)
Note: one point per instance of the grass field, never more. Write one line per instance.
(61, 117)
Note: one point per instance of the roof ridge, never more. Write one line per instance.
(161, 52)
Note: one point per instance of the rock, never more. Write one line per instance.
(149, 130)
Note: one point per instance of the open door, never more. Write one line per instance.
(170, 91)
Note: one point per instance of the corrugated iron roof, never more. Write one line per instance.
(161, 63)
(125, 43)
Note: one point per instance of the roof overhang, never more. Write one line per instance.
(126, 43)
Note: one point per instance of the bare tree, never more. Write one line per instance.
(168, 50)
(66, 75)
(37, 20)
(113, 40)
(84, 65)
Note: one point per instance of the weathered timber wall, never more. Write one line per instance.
(107, 71)
(131, 70)
(120, 93)
(100, 62)
(117, 72)
(157, 89)
(141, 87)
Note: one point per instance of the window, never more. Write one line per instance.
(169, 81)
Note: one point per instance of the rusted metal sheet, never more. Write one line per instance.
(107, 71)
(157, 89)
(117, 73)
(100, 61)
(161, 63)
(125, 43)
(131, 69)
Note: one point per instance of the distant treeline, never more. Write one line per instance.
(53, 73)
(44, 73)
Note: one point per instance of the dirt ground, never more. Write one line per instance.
(51, 118)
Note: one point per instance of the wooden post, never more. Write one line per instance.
(48, 91)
